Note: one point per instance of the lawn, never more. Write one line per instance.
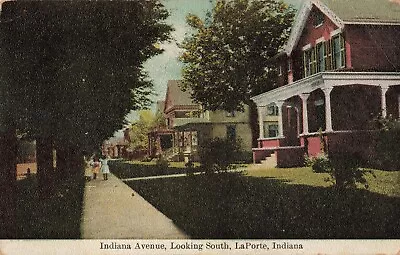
(56, 217)
(132, 169)
(275, 203)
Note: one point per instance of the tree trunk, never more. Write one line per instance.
(253, 120)
(8, 170)
(69, 160)
(62, 162)
(45, 169)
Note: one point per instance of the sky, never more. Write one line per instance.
(166, 66)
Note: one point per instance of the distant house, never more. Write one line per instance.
(161, 137)
(116, 147)
(191, 125)
(340, 69)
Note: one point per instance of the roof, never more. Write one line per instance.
(160, 106)
(341, 12)
(365, 11)
(176, 96)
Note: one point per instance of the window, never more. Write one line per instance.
(289, 66)
(272, 130)
(280, 71)
(318, 19)
(231, 132)
(194, 138)
(329, 55)
(272, 110)
(338, 52)
(328, 50)
(321, 57)
(230, 114)
(310, 63)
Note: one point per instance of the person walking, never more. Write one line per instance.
(104, 167)
(95, 167)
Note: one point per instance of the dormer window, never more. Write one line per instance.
(318, 19)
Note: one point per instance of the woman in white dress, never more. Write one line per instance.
(104, 167)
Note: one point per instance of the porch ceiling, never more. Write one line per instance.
(327, 80)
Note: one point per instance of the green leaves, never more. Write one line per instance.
(226, 60)
(76, 67)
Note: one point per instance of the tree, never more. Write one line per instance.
(388, 152)
(227, 58)
(218, 154)
(75, 70)
(139, 130)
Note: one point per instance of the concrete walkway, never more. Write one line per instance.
(112, 210)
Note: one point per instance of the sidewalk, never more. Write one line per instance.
(112, 210)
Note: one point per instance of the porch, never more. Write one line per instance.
(330, 111)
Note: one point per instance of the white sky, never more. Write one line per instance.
(166, 66)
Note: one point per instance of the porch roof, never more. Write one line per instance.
(327, 80)
(180, 122)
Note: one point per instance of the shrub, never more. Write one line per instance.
(345, 171)
(162, 164)
(190, 167)
(218, 154)
(388, 150)
(342, 167)
(319, 164)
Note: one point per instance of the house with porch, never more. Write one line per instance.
(340, 69)
(188, 125)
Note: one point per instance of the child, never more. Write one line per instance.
(104, 167)
(95, 167)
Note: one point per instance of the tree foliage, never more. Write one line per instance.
(226, 59)
(72, 70)
(218, 154)
(388, 150)
(76, 67)
(139, 130)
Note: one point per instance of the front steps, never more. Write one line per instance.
(269, 162)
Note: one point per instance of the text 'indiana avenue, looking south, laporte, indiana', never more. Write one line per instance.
(200, 246)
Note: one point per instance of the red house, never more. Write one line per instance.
(339, 70)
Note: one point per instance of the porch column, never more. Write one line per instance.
(328, 110)
(279, 104)
(304, 98)
(384, 89)
(261, 112)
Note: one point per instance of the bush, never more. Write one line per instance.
(389, 150)
(162, 164)
(190, 167)
(345, 171)
(343, 168)
(319, 164)
(218, 154)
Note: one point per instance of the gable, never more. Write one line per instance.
(176, 97)
(303, 18)
(341, 12)
(318, 26)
